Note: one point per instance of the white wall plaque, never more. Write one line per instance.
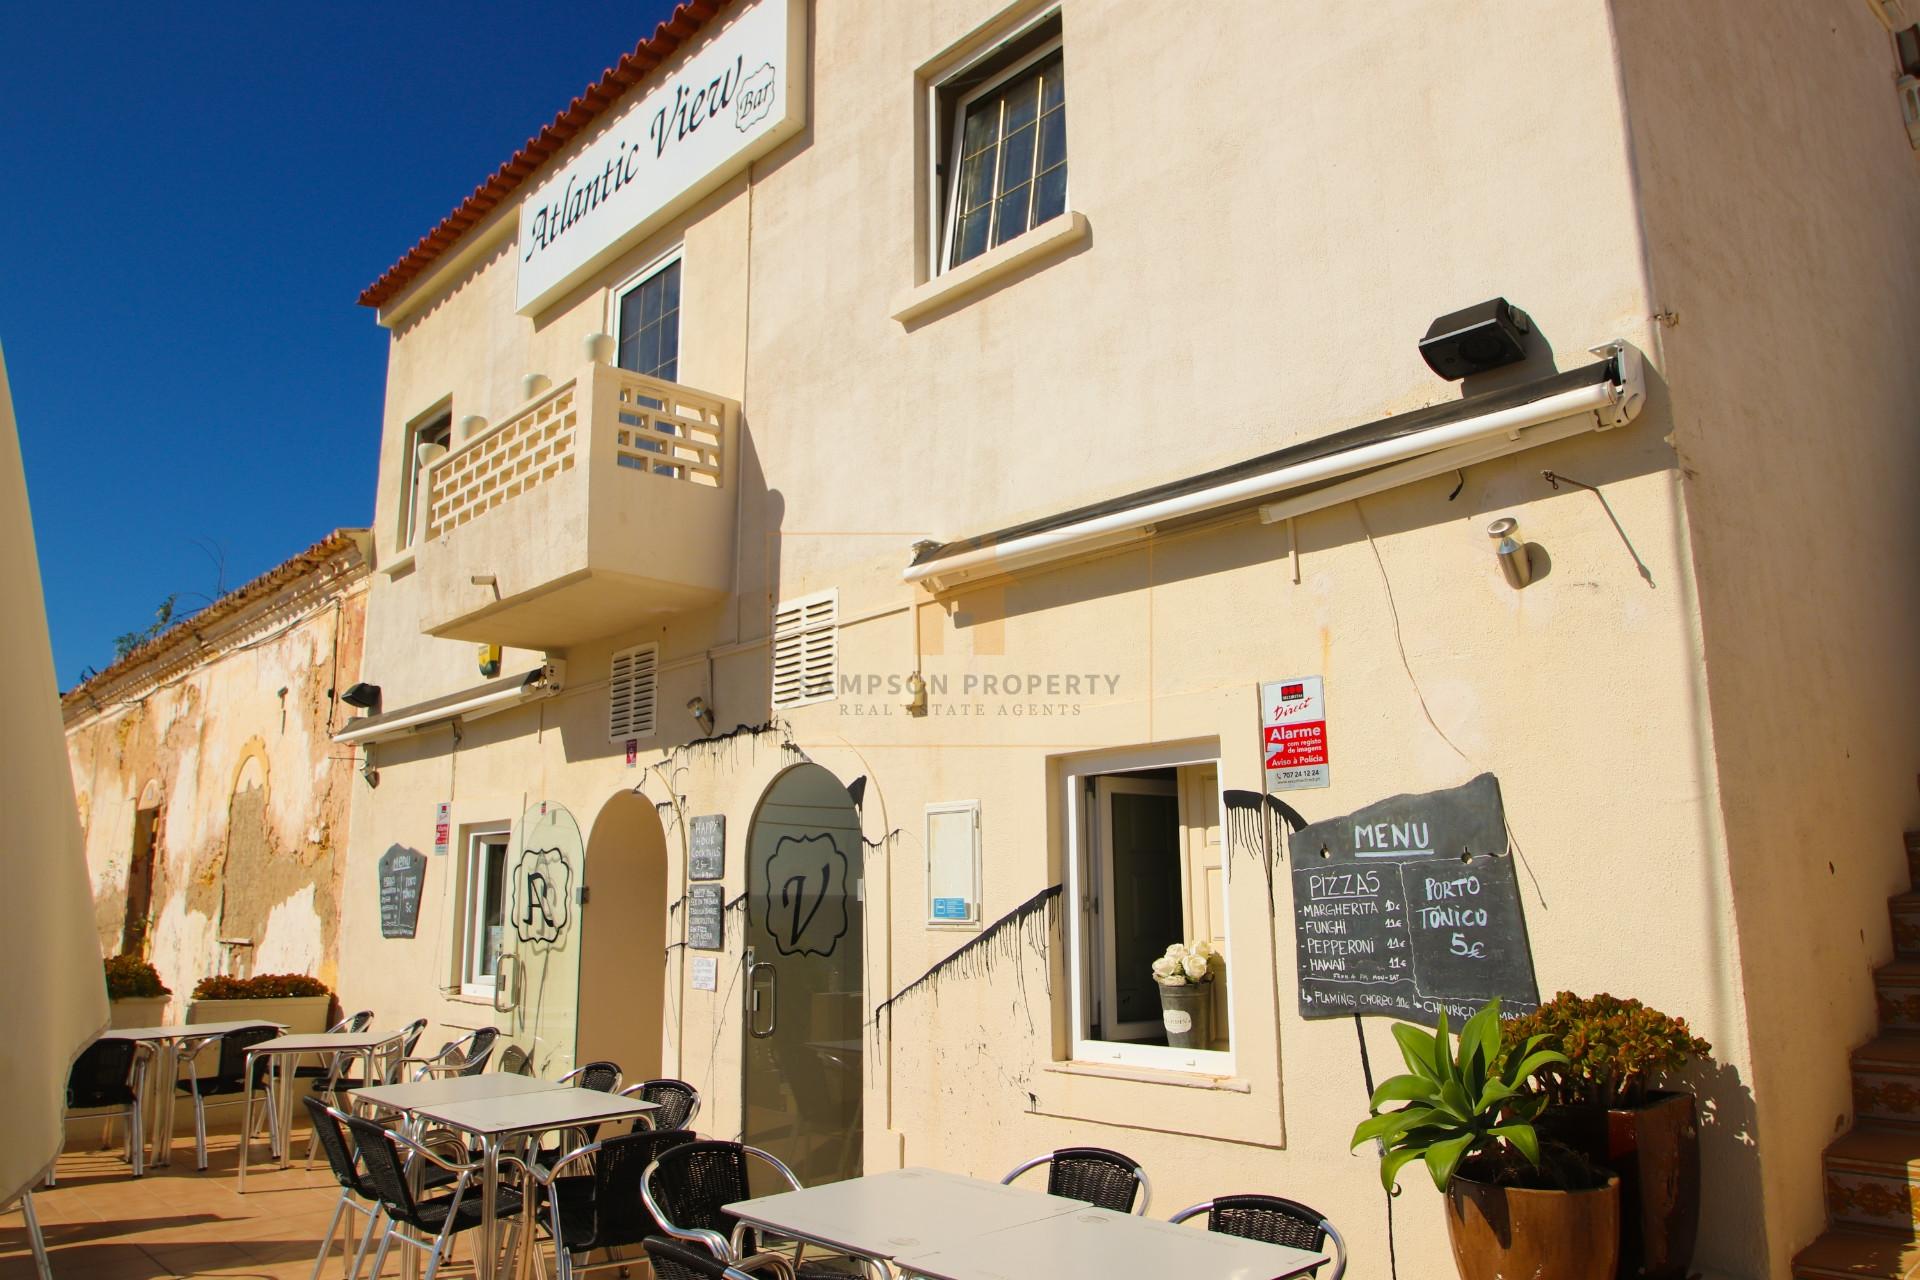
(706, 973)
(738, 97)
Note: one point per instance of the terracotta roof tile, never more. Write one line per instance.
(633, 67)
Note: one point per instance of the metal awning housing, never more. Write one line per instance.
(468, 704)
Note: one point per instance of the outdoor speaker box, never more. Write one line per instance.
(1476, 339)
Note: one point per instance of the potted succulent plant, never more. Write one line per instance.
(1604, 1101)
(1185, 977)
(1515, 1206)
(136, 995)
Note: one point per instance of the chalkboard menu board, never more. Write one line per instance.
(706, 917)
(1409, 908)
(707, 847)
(402, 871)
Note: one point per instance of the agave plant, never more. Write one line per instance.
(1459, 1101)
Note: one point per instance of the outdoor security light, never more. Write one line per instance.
(1510, 551)
(364, 696)
(702, 714)
(1475, 339)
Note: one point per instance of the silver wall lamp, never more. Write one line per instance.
(702, 714)
(1510, 551)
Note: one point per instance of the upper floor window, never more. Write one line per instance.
(1005, 153)
(427, 439)
(647, 322)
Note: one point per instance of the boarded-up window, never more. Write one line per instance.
(806, 649)
(630, 693)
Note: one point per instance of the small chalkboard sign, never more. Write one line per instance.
(706, 917)
(1410, 908)
(707, 846)
(402, 872)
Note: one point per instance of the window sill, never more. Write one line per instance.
(1151, 1075)
(1051, 237)
(401, 563)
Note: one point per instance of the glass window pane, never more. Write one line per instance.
(1013, 214)
(972, 240)
(646, 349)
(1050, 195)
(983, 120)
(669, 359)
(976, 181)
(629, 319)
(1016, 159)
(670, 288)
(651, 295)
(1053, 139)
(1023, 103)
(1053, 86)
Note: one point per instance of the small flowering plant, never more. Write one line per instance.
(1189, 964)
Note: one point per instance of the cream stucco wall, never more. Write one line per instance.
(1279, 201)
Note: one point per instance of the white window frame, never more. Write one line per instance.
(412, 474)
(617, 294)
(471, 895)
(830, 628)
(972, 919)
(1082, 979)
(944, 190)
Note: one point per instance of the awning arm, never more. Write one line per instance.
(469, 704)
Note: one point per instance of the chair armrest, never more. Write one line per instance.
(469, 1168)
(578, 1153)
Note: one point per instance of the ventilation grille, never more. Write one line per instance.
(630, 693)
(806, 649)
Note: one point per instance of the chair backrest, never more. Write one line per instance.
(674, 1260)
(360, 1021)
(412, 1034)
(692, 1181)
(1105, 1179)
(478, 1049)
(1274, 1219)
(620, 1217)
(338, 1146)
(515, 1061)
(601, 1077)
(386, 1170)
(102, 1075)
(233, 1051)
(678, 1103)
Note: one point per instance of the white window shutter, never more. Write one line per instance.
(630, 693)
(806, 649)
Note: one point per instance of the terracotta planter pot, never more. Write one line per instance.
(1510, 1233)
(1655, 1148)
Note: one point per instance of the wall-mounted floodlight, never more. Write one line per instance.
(702, 715)
(364, 696)
(1477, 338)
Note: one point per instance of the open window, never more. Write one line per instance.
(482, 899)
(428, 439)
(1145, 870)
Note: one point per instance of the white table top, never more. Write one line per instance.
(194, 1031)
(420, 1093)
(1097, 1244)
(884, 1215)
(533, 1112)
(325, 1042)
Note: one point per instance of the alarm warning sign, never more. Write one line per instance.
(1293, 733)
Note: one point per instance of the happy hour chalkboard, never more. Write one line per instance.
(706, 920)
(707, 847)
(402, 871)
(1409, 908)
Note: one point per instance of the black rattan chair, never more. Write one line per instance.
(1103, 1178)
(356, 1193)
(335, 1062)
(678, 1103)
(1274, 1220)
(432, 1221)
(466, 1056)
(601, 1209)
(601, 1077)
(106, 1082)
(688, 1188)
(386, 1059)
(675, 1261)
(514, 1061)
(227, 1086)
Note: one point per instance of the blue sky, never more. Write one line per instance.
(196, 196)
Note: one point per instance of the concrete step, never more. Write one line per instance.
(1905, 911)
(1897, 989)
(1858, 1253)
(1873, 1177)
(1886, 1079)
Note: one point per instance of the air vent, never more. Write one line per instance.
(630, 693)
(806, 649)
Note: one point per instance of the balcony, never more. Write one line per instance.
(605, 503)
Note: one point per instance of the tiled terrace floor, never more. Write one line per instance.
(101, 1223)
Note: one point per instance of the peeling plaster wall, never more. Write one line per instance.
(251, 792)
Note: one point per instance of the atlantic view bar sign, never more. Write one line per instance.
(737, 98)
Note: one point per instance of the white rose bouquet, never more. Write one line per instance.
(1188, 963)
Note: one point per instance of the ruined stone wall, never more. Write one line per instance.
(231, 758)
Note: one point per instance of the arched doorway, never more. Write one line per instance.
(805, 940)
(624, 940)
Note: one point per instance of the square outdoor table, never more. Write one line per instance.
(363, 1043)
(421, 1093)
(165, 1045)
(1097, 1244)
(884, 1215)
(494, 1119)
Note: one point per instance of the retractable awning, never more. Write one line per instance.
(468, 704)
(1353, 463)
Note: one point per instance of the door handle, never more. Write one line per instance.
(503, 985)
(773, 1003)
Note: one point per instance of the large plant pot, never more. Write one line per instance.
(137, 1011)
(1511, 1233)
(302, 1014)
(1187, 1014)
(1655, 1148)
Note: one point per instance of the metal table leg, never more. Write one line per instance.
(246, 1125)
(487, 1251)
(167, 1069)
